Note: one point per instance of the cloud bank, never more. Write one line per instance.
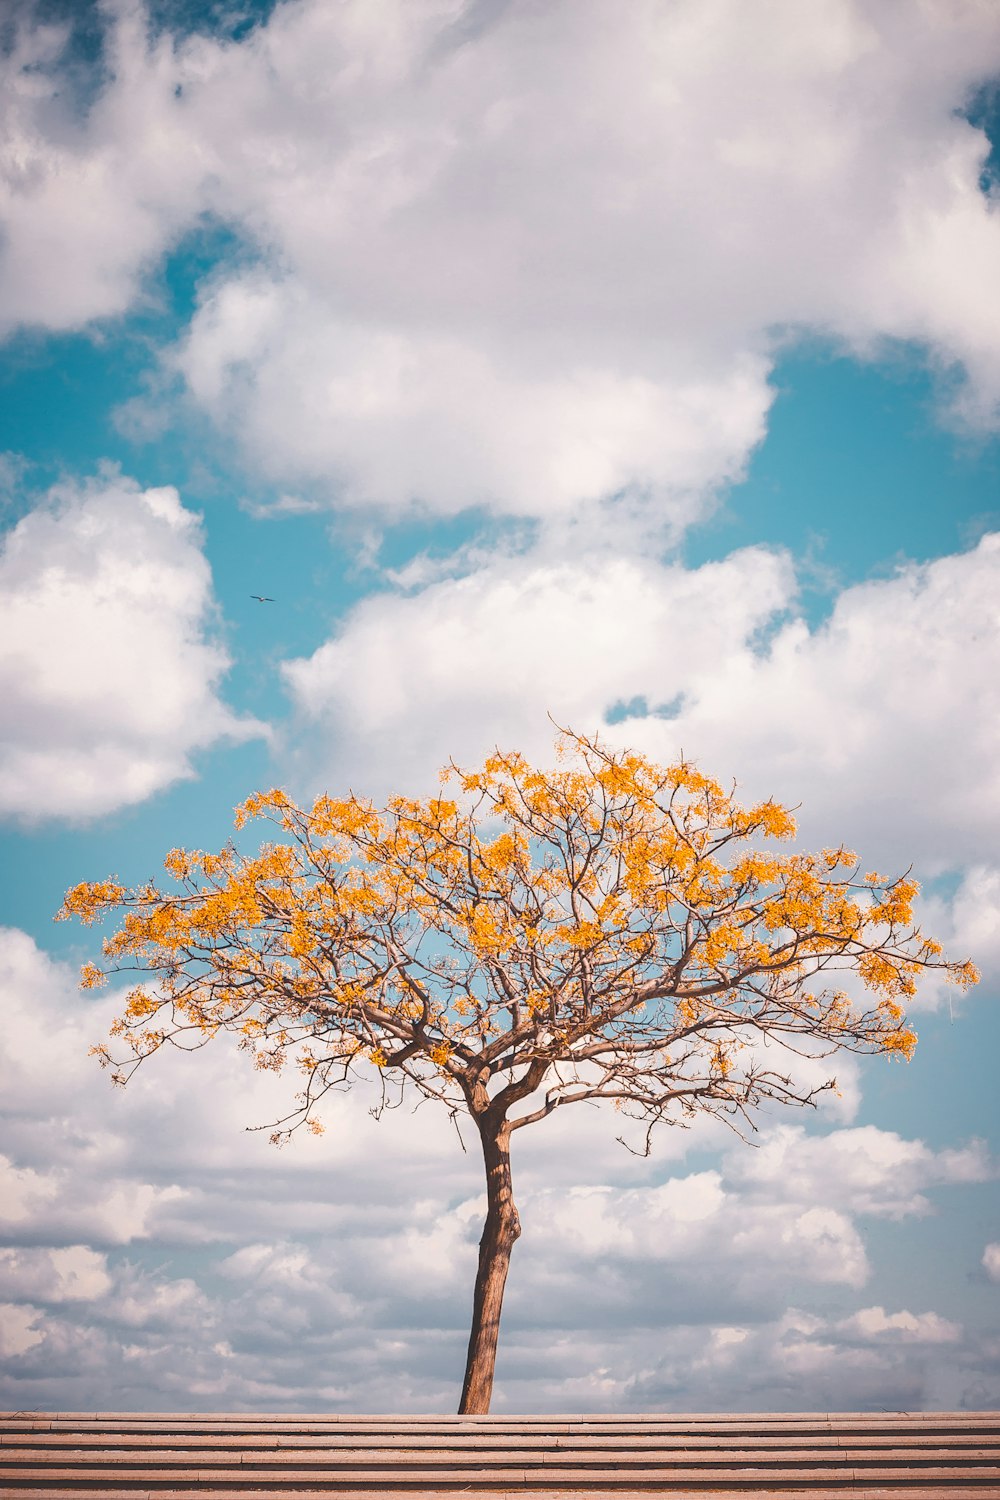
(161, 1258)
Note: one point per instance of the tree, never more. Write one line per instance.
(528, 939)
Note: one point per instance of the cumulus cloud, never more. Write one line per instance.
(109, 669)
(286, 1271)
(516, 256)
(833, 716)
(991, 1260)
(85, 212)
(797, 1361)
(873, 1324)
(70, 1273)
(698, 1233)
(161, 1305)
(862, 1170)
(62, 1202)
(497, 650)
(389, 418)
(967, 922)
(713, 661)
(25, 1191)
(18, 1329)
(503, 294)
(152, 1160)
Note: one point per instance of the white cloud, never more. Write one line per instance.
(967, 924)
(386, 418)
(797, 1361)
(874, 1324)
(64, 1202)
(163, 1304)
(833, 717)
(705, 660)
(18, 1329)
(991, 1260)
(699, 1229)
(862, 1170)
(283, 1270)
(509, 279)
(665, 1222)
(89, 205)
(24, 1192)
(498, 649)
(109, 672)
(159, 1158)
(164, 1257)
(520, 255)
(71, 1273)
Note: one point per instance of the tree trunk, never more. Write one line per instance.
(501, 1229)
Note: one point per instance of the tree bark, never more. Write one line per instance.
(501, 1229)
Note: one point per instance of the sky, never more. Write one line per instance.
(636, 368)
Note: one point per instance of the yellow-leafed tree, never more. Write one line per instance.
(608, 930)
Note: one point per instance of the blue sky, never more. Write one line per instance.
(638, 368)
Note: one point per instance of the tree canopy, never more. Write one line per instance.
(609, 929)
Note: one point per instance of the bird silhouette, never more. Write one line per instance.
(263, 598)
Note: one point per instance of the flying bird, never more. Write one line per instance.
(263, 598)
